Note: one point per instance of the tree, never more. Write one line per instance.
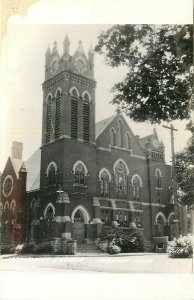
(158, 82)
(185, 171)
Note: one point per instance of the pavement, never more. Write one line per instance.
(118, 263)
(148, 276)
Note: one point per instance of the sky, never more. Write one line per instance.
(22, 74)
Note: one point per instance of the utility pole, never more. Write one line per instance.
(174, 182)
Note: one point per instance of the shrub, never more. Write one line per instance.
(103, 246)
(180, 248)
(5, 249)
(127, 240)
(44, 247)
(26, 248)
(131, 243)
(113, 248)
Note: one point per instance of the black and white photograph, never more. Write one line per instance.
(97, 155)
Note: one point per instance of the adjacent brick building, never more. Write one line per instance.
(85, 175)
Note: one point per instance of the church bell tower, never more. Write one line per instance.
(68, 95)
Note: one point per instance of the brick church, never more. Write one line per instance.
(86, 175)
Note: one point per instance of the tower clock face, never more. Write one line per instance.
(7, 185)
(54, 67)
(80, 66)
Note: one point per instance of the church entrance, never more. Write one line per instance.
(78, 227)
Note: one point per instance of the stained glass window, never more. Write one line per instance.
(104, 183)
(121, 180)
(79, 174)
(158, 178)
(136, 188)
(49, 219)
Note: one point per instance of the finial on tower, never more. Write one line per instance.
(55, 48)
(66, 45)
(48, 51)
(91, 50)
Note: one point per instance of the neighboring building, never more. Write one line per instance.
(85, 175)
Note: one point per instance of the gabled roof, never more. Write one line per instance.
(101, 125)
(80, 52)
(33, 169)
(17, 165)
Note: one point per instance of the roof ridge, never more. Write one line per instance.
(34, 180)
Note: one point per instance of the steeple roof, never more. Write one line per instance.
(80, 52)
(66, 40)
(55, 51)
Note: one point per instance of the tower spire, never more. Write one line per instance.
(55, 51)
(47, 55)
(66, 46)
(91, 59)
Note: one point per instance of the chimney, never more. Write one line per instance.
(17, 149)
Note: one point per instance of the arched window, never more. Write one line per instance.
(121, 179)
(49, 215)
(112, 137)
(48, 119)
(104, 183)
(120, 131)
(160, 225)
(80, 174)
(137, 185)
(13, 207)
(74, 100)
(128, 140)
(6, 212)
(51, 173)
(86, 117)
(57, 114)
(12, 213)
(158, 179)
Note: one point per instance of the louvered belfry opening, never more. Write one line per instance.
(86, 118)
(74, 115)
(48, 120)
(57, 115)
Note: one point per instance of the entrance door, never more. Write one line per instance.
(78, 227)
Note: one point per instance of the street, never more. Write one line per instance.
(148, 276)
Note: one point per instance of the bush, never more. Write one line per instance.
(113, 248)
(26, 248)
(131, 243)
(5, 249)
(126, 239)
(180, 248)
(44, 247)
(103, 246)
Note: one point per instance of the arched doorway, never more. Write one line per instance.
(78, 227)
(160, 224)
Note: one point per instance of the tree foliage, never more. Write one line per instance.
(185, 171)
(158, 82)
